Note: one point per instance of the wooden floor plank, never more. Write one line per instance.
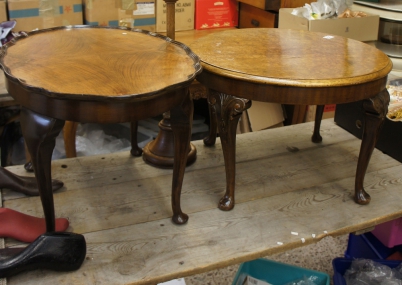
(93, 168)
(129, 199)
(284, 183)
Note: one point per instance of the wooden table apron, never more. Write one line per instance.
(103, 75)
(290, 67)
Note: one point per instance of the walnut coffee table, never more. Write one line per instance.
(103, 75)
(290, 67)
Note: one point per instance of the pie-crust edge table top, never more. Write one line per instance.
(86, 67)
(99, 62)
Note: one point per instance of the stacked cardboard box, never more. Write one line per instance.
(127, 13)
(41, 14)
(3, 11)
(184, 15)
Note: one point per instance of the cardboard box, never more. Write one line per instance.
(260, 116)
(127, 13)
(216, 14)
(184, 15)
(361, 29)
(263, 115)
(3, 11)
(270, 5)
(41, 14)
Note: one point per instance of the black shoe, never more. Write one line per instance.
(59, 251)
(10, 252)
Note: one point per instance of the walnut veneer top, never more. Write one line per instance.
(99, 62)
(291, 58)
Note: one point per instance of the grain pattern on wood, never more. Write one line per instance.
(137, 199)
(98, 74)
(292, 67)
(294, 56)
(302, 67)
(139, 77)
(187, 37)
(122, 168)
(287, 183)
(98, 62)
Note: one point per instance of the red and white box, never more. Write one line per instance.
(211, 14)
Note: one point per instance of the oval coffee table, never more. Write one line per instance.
(290, 67)
(103, 75)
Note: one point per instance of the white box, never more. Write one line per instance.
(361, 29)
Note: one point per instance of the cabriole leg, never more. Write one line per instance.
(181, 119)
(40, 134)
(375, 111)
(316, 138)
(228, 112)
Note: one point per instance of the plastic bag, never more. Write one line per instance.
(322, 9)
(6, 33)
(370, 272)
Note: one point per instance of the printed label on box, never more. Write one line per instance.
(111, 13)
(145, 8)
(184, 15)
(127, 4)
(216, 14)
(330, 108)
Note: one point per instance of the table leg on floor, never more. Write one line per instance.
(135, 149)
(211, 138)
(228, 111)
(316, 138)
(375, 111)
(40, 134)
(181, 119)
(69, 134)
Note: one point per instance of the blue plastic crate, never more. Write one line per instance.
(367, 246)
(340, 266)
(276, 273)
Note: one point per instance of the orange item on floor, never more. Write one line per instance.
(24, 227)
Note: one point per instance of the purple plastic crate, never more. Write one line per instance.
(389, 233)
(367, 246)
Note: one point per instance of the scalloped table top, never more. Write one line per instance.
(94, 61)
